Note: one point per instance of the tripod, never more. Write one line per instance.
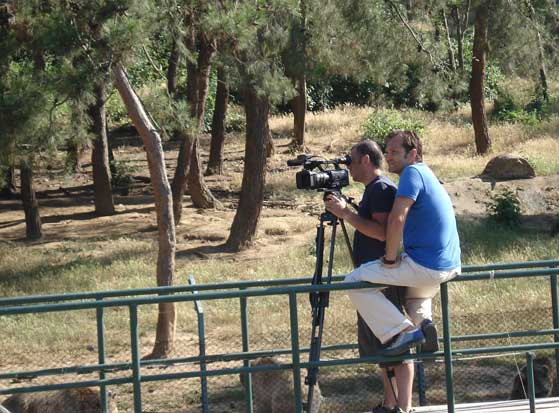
(320, 299)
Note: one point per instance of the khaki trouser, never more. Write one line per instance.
(382, 317)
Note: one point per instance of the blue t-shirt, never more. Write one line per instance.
(430, 233)
(378, 197)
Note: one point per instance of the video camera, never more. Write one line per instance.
(325, 179)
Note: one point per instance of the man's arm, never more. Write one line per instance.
(395, 229)
(375, 227)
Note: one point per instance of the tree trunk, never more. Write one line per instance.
(178, 185)
(299, 106)
(8, 189)
(100, 155)
(166, 321)
(243, 229)
(477, 99)
(30, 203)
(73, 161)
(199, 192)
(459, 37)
(173, 67)
(215, 162)
(451, 60)
(541, 56)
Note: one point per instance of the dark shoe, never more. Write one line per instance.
(400, 410)
(431, 338)
(382, 409)
(404, 341)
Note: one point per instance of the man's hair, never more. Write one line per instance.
(410, 141)
(371, 148)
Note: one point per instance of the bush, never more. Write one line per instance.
(122, 175)
(505, 208)
(507, 110)
(380, 123)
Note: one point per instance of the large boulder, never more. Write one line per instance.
(506, 166)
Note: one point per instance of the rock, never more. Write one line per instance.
(508, 167)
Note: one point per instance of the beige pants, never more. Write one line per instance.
(382, 317)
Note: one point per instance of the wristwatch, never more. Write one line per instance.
(388, 262)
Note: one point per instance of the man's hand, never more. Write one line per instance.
(336, 206)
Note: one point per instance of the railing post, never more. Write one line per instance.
(530, 377)
(101, 355)
(248, 376)
(134, 343)
(447, 348)
(295, 356)
(555, 314)
(201, 347)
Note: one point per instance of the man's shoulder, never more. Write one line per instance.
(381, 184)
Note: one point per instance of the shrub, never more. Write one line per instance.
(505, 208)
(382, 122)
(507, 110)
(121, 178)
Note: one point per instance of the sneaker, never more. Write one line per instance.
(404, 341)
(400, 410)
(382, 409)
(431, 339)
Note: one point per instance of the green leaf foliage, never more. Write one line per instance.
(381, 122)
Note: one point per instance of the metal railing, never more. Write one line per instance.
(132, 299)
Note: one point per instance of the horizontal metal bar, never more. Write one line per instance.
(112, 367)
(514, 334)
(44, 308)
(9, 301)
(71, 385)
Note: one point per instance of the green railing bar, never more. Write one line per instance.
(225, 357)
(245, 344)
(555, 313)
(295, 351)
(530, 377)
(8, 301)
(246, 293)
(514, 334)
(69, 385)
(447, 348)
(510, 266)
(101, 356)
(135, 347)
(239, 370)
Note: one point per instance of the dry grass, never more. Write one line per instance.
(93, 254)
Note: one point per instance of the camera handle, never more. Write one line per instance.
(320, 299)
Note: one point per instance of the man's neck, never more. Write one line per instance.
(374, 174)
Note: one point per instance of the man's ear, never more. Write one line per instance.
(413, 154)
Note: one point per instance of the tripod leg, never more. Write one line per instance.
(347, 243)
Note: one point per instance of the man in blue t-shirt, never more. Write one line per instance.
(423, 217)
(369, 245)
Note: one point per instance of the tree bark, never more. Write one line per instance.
(459, 36)
(299, 105)
(33, 229)
(189, 160)
(199, 192)
(8, 189)
(215, 162)
(477, 99)
(451, 60)
(100, 155)
(243, 229)
(166, 321)
(541, 56)
(173, 67)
